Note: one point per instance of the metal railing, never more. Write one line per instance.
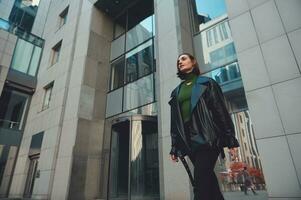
(8, 124)
(21, 33)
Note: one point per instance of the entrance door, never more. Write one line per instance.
(134, 163)
(32, 173)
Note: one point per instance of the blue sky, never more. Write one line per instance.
(213, 8)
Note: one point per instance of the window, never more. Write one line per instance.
(13, 105)
(63, 17)
(246, 148)
(47, 96)
(139, 62)
(209, 38)
(56, 53)
(243, 132)
(117, 73)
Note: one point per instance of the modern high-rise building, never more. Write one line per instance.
(85, 86)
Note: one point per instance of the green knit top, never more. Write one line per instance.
(185, 94)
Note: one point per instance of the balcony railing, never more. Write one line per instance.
(21, 33)
(7, 124)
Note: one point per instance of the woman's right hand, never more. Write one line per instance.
(174, 158)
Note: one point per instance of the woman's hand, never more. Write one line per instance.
(174, 158)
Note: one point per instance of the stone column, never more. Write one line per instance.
(172, 37)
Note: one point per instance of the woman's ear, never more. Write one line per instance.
(194, 62)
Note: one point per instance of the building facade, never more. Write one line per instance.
(85, 86)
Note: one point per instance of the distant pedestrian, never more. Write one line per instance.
(248, 183)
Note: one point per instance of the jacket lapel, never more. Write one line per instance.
(197, 91)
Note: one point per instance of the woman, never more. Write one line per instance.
(200, 126)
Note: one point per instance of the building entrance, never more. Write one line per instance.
(134, 163)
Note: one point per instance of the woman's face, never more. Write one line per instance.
(185, 64)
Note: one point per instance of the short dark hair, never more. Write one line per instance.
(195, 70)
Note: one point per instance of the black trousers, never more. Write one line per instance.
(206, 184)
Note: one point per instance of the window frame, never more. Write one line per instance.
(55, 53)
(48, 89)
(63, 16)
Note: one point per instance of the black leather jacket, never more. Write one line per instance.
(209, 116)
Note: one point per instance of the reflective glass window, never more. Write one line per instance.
(117, 73)
(35, 61)
(8, 155)
(12, 108)
(226, 73)
(139, 33)
(144, 160)
(119, 25)
(47, 95)
(55, 53)
(22, 55)
(138, 93)
(139, 62)
(114, 102)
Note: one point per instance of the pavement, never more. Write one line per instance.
(239, 195)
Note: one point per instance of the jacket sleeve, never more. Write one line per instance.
(173, 135)
(219, 110)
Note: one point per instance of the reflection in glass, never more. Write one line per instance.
(144, 160)
(114, 102)
(139, 62)
(119, 163)
(138, 93)
(22, 56)
(26, 57)
(230, 170)
(12, 109)
(117, 68)
(8, 155)
(140, 33)
(224, 74)
(35, 61)
(119, 25)
(23, 14)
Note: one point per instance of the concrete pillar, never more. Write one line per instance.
(172, 37)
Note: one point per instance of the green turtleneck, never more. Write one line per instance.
(185, 94)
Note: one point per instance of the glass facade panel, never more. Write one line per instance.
(227, 73)
(26, 57)
(114, 102)
(119, 25)
(117, 73)
(23, 14)
(117, 47)
(144, 160)
(22, 56)
(8, 155)
(34, 64)
(139, 93)
(119, 162)
(140, 33)
(12, 108)
(139, 62)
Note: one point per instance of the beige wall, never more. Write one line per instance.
(7, 46)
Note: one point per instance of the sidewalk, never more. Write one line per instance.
(261, 195)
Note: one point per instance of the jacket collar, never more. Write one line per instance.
(197, 91)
